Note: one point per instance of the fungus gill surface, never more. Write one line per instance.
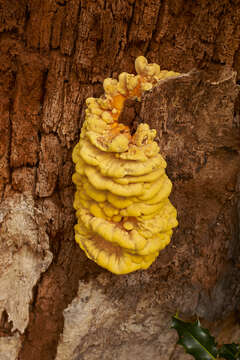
(124, 215)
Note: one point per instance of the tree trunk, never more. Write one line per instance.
(55, 54)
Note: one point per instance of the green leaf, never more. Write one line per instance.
(196, 340)
(230, 351)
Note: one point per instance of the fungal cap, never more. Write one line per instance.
(124, 215)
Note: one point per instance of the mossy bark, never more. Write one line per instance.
(55, 54)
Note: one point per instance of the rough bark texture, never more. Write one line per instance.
(53, 55)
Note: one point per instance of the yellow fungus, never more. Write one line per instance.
(121, 201)
(96, 211)
(117, 218)
(109, 210)
(128, 226)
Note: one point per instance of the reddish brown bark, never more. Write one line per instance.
(55, 54)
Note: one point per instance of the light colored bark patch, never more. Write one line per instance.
(24, 255)
(9, 347)
(97, 326)
(88, 309)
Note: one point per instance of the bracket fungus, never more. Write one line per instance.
(124, 215)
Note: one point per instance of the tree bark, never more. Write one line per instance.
(55, 54)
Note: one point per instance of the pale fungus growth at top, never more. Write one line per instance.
(124, 215)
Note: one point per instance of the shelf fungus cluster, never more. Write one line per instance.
(124, 215)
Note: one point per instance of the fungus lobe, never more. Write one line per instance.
(124, 215)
